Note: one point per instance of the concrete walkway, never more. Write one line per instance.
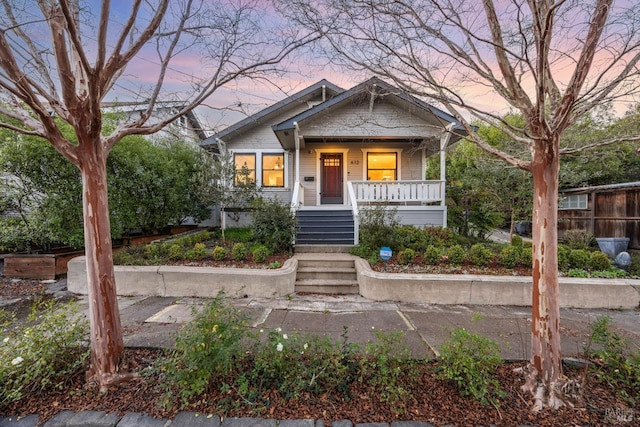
(155, 321)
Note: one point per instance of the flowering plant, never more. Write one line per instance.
(44, 353)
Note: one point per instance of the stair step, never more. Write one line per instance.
(327, 273)
(323, 248)
(326, 264)
(327, 286)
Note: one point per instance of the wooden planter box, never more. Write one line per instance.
(38, 266)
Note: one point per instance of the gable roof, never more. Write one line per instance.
(375, 87)
(263, 116)
(133, 106)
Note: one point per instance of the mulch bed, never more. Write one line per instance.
(433, 400)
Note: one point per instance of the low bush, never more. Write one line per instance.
(526, 256)
(295, 364)
(406, 256)
(44, 354)
(470, 361)
(239, 252)
(456, 254)
(578, 239)
(219, 253)
(480, 255)
(198, 252)
(509, 256)
(431, 255)
(579, 259)
(387, 359)
(259, 254)
(616, 361)
(599, 261)
(273, 224)
(207, 348)
(176, 252)
(516, 241)
(563, 257)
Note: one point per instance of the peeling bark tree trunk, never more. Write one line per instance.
(106, 330)
(546, 358)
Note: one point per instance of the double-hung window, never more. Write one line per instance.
(245, 165)
(273, 170)
(382, 166)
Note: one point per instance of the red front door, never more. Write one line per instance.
(331, 179)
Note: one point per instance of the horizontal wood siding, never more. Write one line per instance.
(421, 216)
(610, 213)
(386, 120)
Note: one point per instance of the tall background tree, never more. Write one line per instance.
(552, 61)
(60, 60)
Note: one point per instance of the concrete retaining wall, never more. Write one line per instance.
(492, 290)
(179, 281)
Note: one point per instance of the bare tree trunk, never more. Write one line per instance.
(106, 330)
(546, 358)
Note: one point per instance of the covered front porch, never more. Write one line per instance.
(418, 203)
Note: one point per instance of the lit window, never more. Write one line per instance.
(382, 166)
(273, 170)
(245, 169)
(573, 201)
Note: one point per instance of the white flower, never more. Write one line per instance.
(278, 330)
(6, 340)
(261, 330)
(305, 346)
(279, 347)
(284, 336)
(18, 360)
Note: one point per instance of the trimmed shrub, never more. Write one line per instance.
(431, 255)
(526, 256)
(509, 256)
(406, 256)
(480, 255)
(579, 259)
(563, 257)
(239, 252)
(599, 261)
(199, 251)
(456, 254)
(260, 254)
(175, 252)
(219, 253)
(516, 241)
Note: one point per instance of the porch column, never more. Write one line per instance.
(296, 137)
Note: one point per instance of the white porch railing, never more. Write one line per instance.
(297, 198)
(408, 192)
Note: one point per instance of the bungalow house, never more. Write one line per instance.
(330, 152)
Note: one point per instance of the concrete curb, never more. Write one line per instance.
(463, 289)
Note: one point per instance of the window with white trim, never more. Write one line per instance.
(245, 164)
(573, 201)
(273, 170)
(382, 166)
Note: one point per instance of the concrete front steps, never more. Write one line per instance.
(326, 273)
